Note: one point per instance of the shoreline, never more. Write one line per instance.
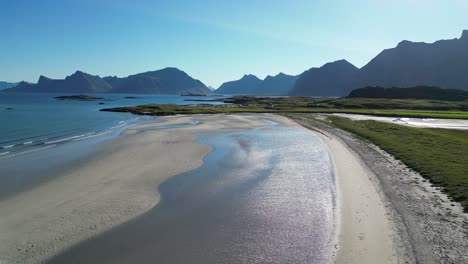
(117, 183)
(427, 226)
(380, 215)
(364, 232)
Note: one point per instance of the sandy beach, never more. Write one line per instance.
(116, 184)
(422, 222)
(120, 182)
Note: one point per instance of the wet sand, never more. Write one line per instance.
(428, 227)
(365, 232)
(115, 185)
(121, 183)
(263, 195)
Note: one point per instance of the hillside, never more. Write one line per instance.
(332, 79)
(245, 85)
(443, 64)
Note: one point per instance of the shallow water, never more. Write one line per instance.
(263, 195)
(41, 136)
(37, 120)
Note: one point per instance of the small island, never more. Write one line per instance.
(80, 97)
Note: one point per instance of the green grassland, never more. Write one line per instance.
(439, 155)
(246, 104)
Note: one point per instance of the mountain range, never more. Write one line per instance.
(279, 84)
(443, 63)
(165, 81)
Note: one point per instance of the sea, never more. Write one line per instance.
(49, 134)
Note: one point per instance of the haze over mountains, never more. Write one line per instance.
(165, 81)
(443, 63)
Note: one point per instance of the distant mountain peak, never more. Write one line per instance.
(42, 78)
(464, 35)
(404, 43)
(342, 61)
(339, 63)
(249, 76)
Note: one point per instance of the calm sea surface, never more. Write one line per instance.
(40, 135)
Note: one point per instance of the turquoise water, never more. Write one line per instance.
(40, 135)
(263, 195)
(38, 120)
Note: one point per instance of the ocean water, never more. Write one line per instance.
(263, 195)
(40, 136)
(38, 120)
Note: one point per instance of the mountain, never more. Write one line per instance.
(332, 79)
(79, 82)
(443, 63)
(211, 88)
(245, 85)
(418, 92)
(165, 81)
(250, 84)
(280, 84)
(4, 85)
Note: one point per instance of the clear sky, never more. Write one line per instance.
(212, 40)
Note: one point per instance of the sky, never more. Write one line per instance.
(212, 40)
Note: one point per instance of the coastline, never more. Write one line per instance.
(114, 185)
(382, 217)
(364, 231)
(427, 226)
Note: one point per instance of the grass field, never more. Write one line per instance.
(439, 155)
(379, 107)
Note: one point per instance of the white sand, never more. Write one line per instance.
(365, 232)
(116, 185)
(121, 183)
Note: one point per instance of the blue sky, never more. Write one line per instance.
(214, 41)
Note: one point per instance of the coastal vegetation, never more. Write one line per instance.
(439, 155)
(417, 92)
(369, 106)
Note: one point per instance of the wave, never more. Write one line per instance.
(41, 142)
(27, 151)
